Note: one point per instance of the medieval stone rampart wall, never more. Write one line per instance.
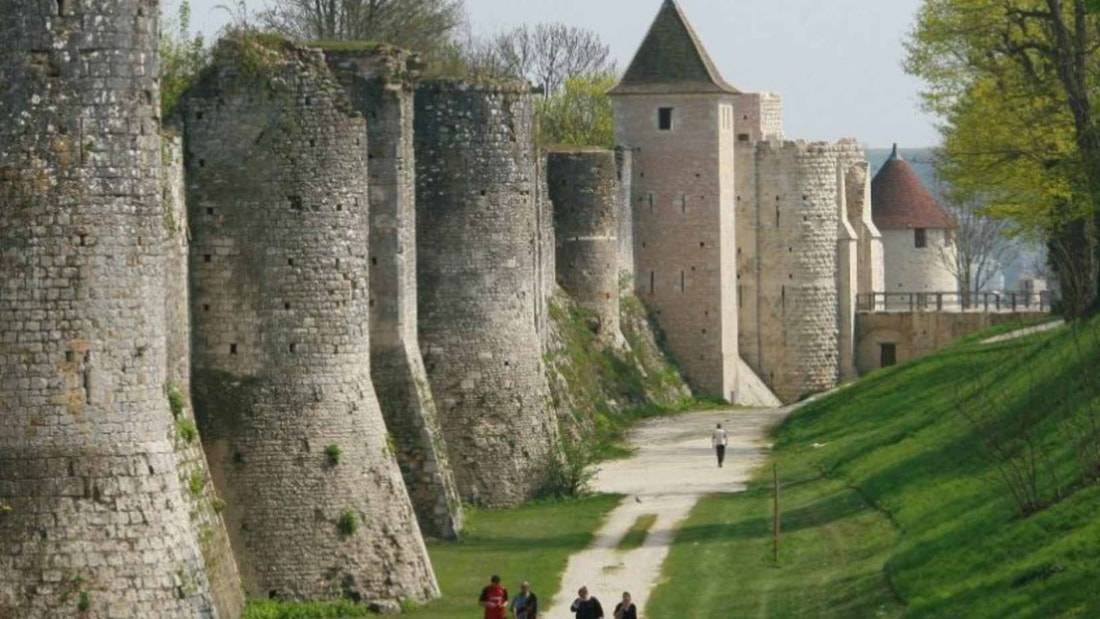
(624, 162)
(477, 236)
(277, 193)
(380, 84)
(203, 503)
(92, 513)
(585, 192)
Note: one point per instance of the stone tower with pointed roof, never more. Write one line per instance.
(751, 250)
(675, 112)
(918, 234)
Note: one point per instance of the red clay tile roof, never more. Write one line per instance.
(900, 201)
(672, 60)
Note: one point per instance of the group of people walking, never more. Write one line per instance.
(525, 605)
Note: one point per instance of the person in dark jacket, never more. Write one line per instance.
(526, 604)
(625, 609)
(586, 606)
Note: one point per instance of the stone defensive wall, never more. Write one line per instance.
(917, 334)
(477, 239)
(624, 162)
(276, 162)
(379, 81)
(93, 515)
(203, 503)
(791, 337)
(585, 192)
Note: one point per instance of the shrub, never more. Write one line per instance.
(188, 431)
(176, 401)
(333, 453)
(568, 474)
(195, 484)
(348, 523)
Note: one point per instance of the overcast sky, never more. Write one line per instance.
(837, 63)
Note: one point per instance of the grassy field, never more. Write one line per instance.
(895, 500)
(530, 543)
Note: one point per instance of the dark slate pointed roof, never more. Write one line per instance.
(900, 201)
(672, 60)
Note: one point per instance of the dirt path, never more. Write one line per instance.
(674, 468)
(1015, 335)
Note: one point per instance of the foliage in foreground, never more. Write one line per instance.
(895, 503)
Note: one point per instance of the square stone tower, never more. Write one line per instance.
(676, 114)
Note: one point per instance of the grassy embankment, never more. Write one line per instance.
(529, 543)
(896, 500)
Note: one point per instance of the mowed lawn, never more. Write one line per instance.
(530, 543)
(893, 501)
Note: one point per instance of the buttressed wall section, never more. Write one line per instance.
(379, 82)
(477, 236)
(93, 517)
(277, 192)
(585, 194)
(624, 161)
(203, 503)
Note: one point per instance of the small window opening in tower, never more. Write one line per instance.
(683, 282)
(683, 203)
(920, 238)
(743, 137)
(650, 197)
(652, 281)
(664, 119)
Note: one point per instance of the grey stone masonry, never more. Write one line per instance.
(585, 193)
(93, 519)
(379, 82)
(204, 506)
(277, 196)
(477, 234)
(624, 161)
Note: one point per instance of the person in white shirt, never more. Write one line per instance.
(718, 439)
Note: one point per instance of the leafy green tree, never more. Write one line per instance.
(578, 114)
(419, 25)
(1014, 82)
(182, 57)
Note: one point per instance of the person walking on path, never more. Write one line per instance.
(626, 609)
(494, 599)
(526, 604)
(586, 606)
(719, 439)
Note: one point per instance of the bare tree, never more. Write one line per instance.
(419, 25)
(980, 249)
(544, 54)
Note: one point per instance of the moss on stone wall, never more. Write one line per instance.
(600, 390)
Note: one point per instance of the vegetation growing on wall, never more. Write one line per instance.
(600, 391)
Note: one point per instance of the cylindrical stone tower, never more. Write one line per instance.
(585, 194)
(93, 518)
(379, 82)
(797, 240)
(476, 239)
(277, 195)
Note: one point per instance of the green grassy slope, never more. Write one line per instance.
(894, 501)
(529, 543)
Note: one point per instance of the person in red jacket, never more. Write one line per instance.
(494, 599)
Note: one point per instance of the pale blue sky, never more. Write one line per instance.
(837, 63)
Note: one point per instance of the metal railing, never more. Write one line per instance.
(1008, 302)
